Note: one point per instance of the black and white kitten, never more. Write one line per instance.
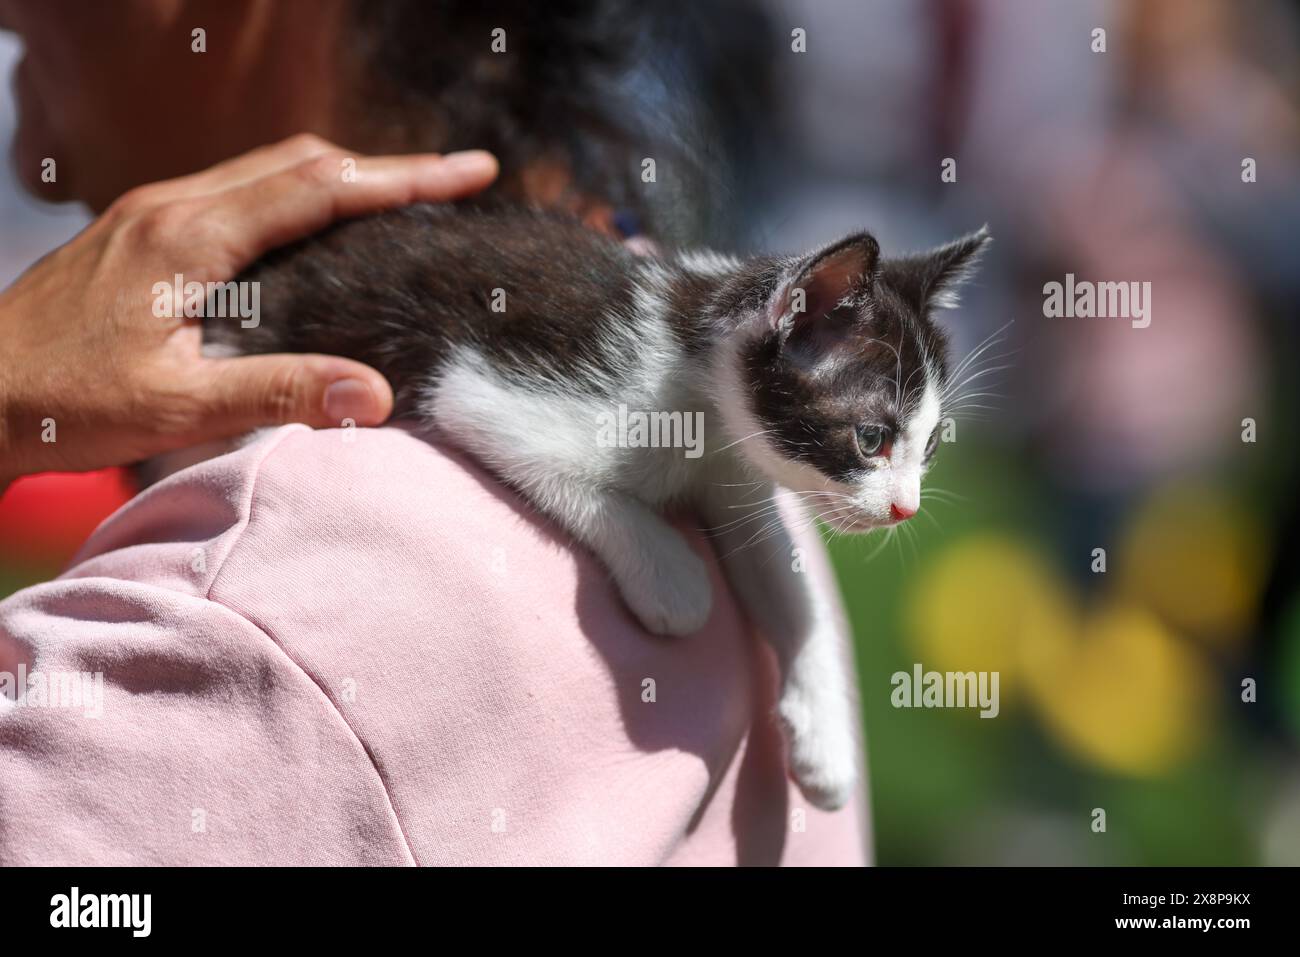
(822, 374)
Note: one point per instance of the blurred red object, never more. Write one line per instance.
(45, 518)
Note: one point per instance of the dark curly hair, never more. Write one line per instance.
(583, 91)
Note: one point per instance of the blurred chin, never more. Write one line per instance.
(38, 140)
(34, 143)
(29, 152)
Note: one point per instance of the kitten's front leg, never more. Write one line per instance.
(663, 582)
(784, 599)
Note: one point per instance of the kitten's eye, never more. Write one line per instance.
(872, 439)
(932, 445)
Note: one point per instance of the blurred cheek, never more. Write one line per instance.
(87, 90)
(61, 60)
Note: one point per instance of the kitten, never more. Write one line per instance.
(822, 374)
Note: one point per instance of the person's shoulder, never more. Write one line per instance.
(347, 452)
(382, 488)
(361, 491)
(361, 467)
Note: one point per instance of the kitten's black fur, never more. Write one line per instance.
(398, 289)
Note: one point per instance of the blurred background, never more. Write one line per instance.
(1120, 690)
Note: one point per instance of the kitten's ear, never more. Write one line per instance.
(843, 270)
(931, 279)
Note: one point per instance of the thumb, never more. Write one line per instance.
(321, 391)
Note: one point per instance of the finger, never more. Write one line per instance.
(263, 161)
(255, 164)
(241, 394)
(296, 202)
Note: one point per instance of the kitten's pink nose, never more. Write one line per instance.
(900, 512)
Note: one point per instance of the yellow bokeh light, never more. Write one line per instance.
(1114, 685)
(981, 598)
(1125, 694)
(1197, 558)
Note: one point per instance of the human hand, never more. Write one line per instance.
(90, 377)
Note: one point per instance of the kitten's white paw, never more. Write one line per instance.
(823, 756)
(670, 594)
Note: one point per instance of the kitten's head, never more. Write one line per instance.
(842, 382)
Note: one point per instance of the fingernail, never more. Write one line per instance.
(351, 399)
(469, 161)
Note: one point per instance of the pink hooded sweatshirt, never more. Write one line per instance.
(354, 647)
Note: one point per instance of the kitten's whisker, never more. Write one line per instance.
(974, 395)
(981, 347)
(748, 542)
(799, 497)
(772, 504)
(957, 387)
(952, 398)
(744, 439)
(954, 388)
(912, 533)
(921, 367)
(772, 517)
(768, 531)
(757, 514)
(898, 369)
(978, 363)
(884, 543)
(941, 495)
